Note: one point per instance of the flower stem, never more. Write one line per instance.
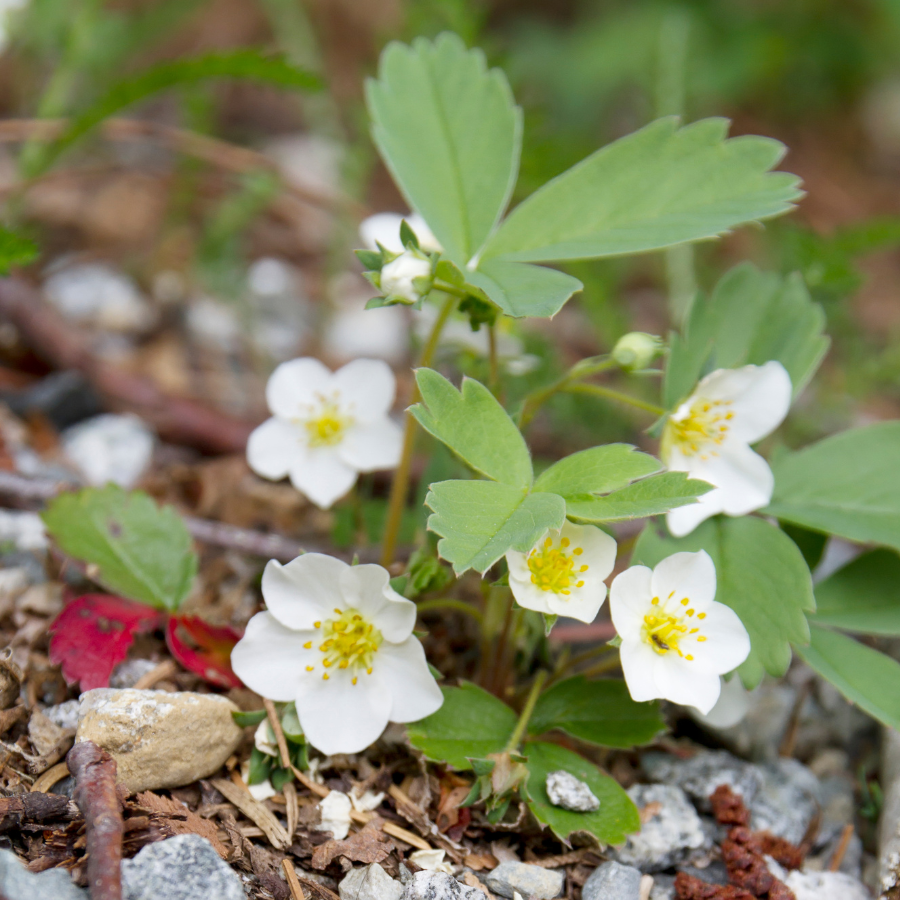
(566, 665)
(400, 485)
(494, 378)
(450, 603)
(525, 716)
(585, 368)
(604, 665)
(598, 390)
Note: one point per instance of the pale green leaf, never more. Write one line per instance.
(141, 551)
(599, 712)
(520, 289)
(752, 317)
(450, 133)
(660, 186)
(474, 426)
(760, 574)
(611, 824)
(471, 724)
(648, 497)
(597, 471)
(478, 521)
(864, 676)
(863, 596)
(846, 484)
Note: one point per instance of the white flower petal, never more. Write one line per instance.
(629, 600)
(338, 716)
(296, 383)
(582, 604)
(760, 398)
(681, 576)
(373, 446)
(367, 588)
(529, 596)
(323, 477)
(638, 665)
(684, 519)
(274, 447)
(266, 658)
(335, 808)
(727, 643)
(384, 229)
(367, 388)
(599, 548)
(403, 672)
(744, 477)
(731, 707)
(679, 681)
(304, 591)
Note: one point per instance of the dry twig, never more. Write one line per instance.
(291, 878)
(254, 811)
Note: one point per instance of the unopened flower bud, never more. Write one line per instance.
(636, 350)
(398, 277)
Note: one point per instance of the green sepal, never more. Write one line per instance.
(244, 719)
(549, 622)
(371, 259)
(408, 236)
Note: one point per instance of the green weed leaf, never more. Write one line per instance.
(760, 574)
(660, 186)
(846, 484)
(141, 551)
(863, 596)
(450, 133)
(597, 471)
(520, 289)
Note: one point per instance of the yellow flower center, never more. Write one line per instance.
(349, 642)
(326, 425)
(706, 423)
(553, 568)
(663, 629)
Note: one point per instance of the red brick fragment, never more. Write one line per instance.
(728, 807)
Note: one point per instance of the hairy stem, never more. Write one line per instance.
(584, 369)
(400, 484)
(598, 390)
(450, 603)
(525, 716)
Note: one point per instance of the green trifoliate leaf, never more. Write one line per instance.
(650, 497)
(864, 676)
(474, 426)
(15, 250)
(846, 485)
(760, 574)
(863, 596)
(479, 521)
(450, 133)
(617, 816)
(599, 712)
(141, 551)
(520, 289)
(471, 724)
(752, 317)
(597, 471)
(660, 186)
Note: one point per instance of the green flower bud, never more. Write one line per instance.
(636, 350)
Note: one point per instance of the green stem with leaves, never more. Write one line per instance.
(400, 485)
(525, 716)
(598, 390)
(584, 369)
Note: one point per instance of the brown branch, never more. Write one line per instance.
(95, 793)
(176, 419)
(32, 807)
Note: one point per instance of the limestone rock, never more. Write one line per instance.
(369, 883)
(158, 739)
(613, 881)
(530, 881)
(826, 886)
(180, 868)
(568, 792)
(17, 883)
(435, 886)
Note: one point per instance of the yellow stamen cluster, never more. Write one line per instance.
(706, 423)
(349, 641)
(663, 629)
(326, 424)
(553, 568)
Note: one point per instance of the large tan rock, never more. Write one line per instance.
(158, 739)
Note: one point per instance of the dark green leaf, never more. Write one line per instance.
(260, 766)
(243, 719)
(863, 596)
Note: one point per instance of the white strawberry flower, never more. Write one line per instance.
(676, 640)
(384, 229)
(337, 640)
(563, 573)
(710, 434)
(326, 427)
(398, 278)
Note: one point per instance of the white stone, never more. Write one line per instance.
(436, 886)
(25, 530)
(159, 739)
(110, 448)
(568, 792)
(369, 883)
(533, 882)
(613, 881)
(826, 886)
(335, 808)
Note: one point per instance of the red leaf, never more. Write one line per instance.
(212, 660)
(93, 633)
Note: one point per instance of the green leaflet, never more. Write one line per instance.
(599, 712)
(474, 426)
(479, 521)
(752, 317)
(470, 725)
(598, 470)
(611, 824)
(450, 133)
(864, 676)
(15, 250)
(649, 497)
(142, 552)
(846, 485)
(521, 290)
(660, 186)
(863, 596)
(760, 574)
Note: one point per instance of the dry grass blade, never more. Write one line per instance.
(255, 811)
(164, 670)
(291, 878)
(50, 777)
